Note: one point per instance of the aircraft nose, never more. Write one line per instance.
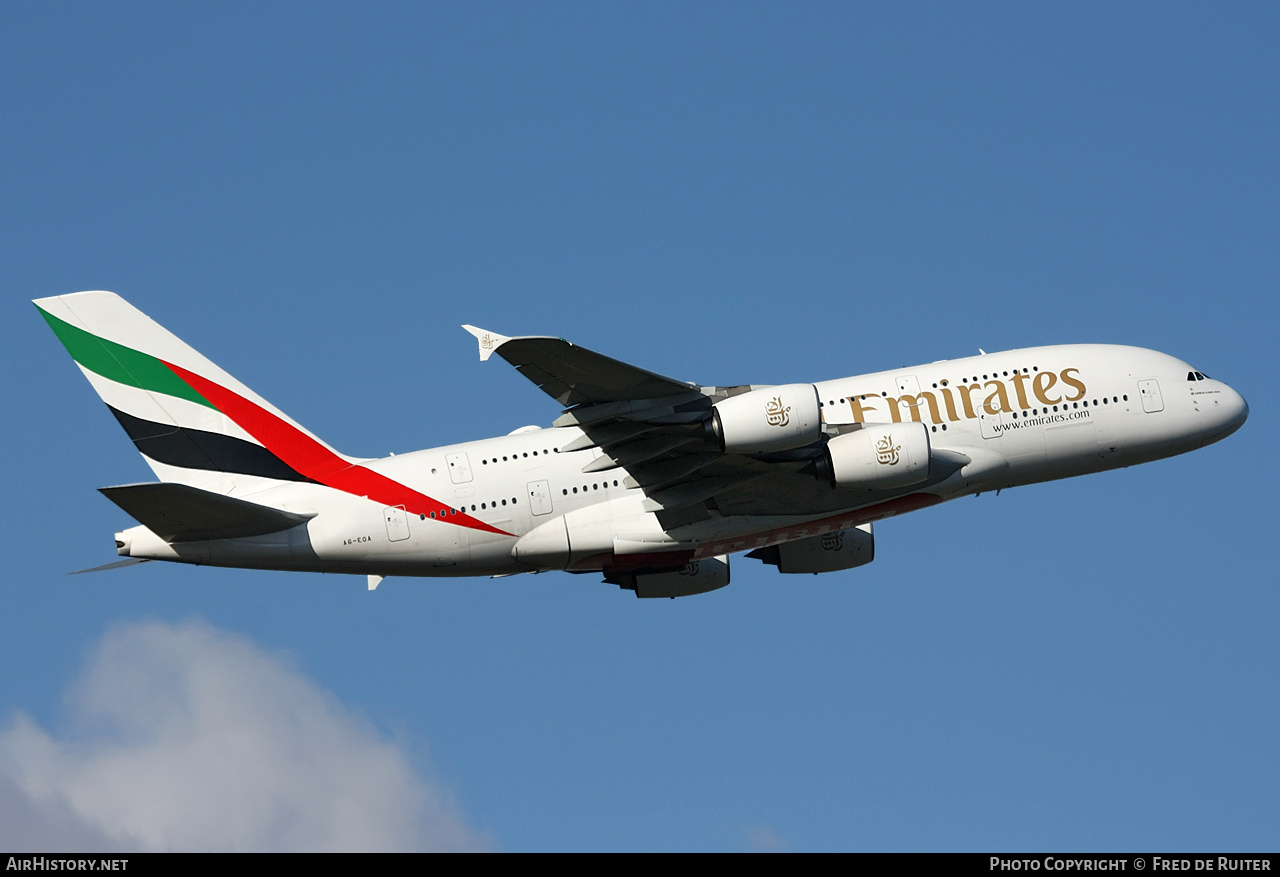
(1229, 412)
(1234, 410)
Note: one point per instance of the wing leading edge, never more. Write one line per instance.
(574, 375)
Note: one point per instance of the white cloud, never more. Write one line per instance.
(189, 738)
(763, 839)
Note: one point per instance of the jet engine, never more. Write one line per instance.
(767, 420)
(695, 577)
(880, 456)
(843, 549)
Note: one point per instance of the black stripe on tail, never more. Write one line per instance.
(197, 449)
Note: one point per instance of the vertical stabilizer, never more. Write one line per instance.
(193, 423)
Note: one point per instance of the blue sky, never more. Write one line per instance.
(316, 196)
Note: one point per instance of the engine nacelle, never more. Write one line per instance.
(695, 577)
(843, 549)
(767, 420)
(880, 456)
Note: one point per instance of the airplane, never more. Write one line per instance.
(648, 480)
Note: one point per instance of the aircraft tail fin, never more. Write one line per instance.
(193, 423)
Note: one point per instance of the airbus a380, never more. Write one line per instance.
(650, 480)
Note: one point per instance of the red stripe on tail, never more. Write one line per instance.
(312, 459)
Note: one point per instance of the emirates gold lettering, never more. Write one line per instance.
(1079, 385)
(860, 410)
(965, 390)
(998, 393)
(1018, 379)
(950, 403)
(887, 451)
(1042, 384)
(912, 402)
(777, 413)
(997, 396)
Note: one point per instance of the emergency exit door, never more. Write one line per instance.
(539, 497)
(459, 468)
(397, 523)
(1152, 401)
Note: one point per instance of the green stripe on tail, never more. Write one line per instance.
(119, 363)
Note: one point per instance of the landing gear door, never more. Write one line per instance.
(1152, 401)
(459, 468)
(539, 497)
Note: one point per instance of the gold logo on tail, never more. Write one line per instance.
(887, 451)
(776, 412)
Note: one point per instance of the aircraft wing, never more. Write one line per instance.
(574, 375)
(656, 428)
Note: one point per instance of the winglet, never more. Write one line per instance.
(489, 341)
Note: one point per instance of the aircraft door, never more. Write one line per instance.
(908, 384)
(991, 424)
(1152, 401)
(539, 497)
(459, 468)
(397, 523)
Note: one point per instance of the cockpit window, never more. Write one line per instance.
(1191, 376)
(1197, 376)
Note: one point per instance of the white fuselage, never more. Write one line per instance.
(1018, 417)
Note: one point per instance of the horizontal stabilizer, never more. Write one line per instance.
(119, 564)
(180, 513)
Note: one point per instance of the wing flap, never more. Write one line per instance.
(181, 513)
(687, 493)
